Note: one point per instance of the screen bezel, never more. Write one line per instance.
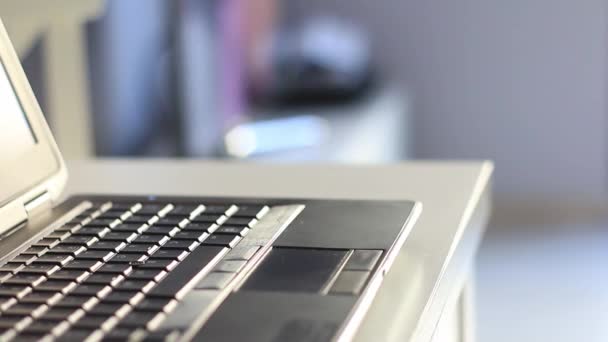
(43, 160)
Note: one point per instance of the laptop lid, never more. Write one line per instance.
(32, 171)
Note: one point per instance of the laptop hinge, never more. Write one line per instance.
(38, 204)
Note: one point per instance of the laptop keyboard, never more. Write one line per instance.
(118, 271)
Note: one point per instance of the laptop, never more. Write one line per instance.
(146, 268)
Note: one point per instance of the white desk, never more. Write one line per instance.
(423, 295)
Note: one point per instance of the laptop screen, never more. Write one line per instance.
(16, 136)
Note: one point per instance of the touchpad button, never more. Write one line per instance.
(295, 270)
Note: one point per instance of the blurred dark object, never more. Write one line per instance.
(323, 60)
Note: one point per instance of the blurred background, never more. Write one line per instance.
(521, 82)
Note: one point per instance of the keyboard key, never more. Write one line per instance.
(90, 321)
(148, 274)
(98, 232)
(91, 290)
(151, 239)
(56, 259)
(38, 297)
(12, 267)
(18, 291)
(124, 297)
(5, 275)
(104, 279)
(188, 269)
(207, 218)
(222, 240)
(76, 335)
(137, 319)
(71, 275)
(96, 255)
(25, 279)
(84, 265)
(186, 245)
(59, 314)
(151, 209)
(136, 285)
(161, 230)
(128, 258)
(120, 236)
(199, 226)
(160, 264)
(140, 249)
(102, 222)
(35, 250)
(24, 258)
(233, 230)
(77, 302)
(253, 211)
(190, 236)
(241, 221)
(138, 219)
(130, 228)
(46, 242)
(54, 286)
(24, 310)
(67, 249)
(169, 221)
(38, 328)
(155, 304)
(113, 269)
(80, 240)
(59, 235)
(43, 269)
(6, 301)
(219, 209)
(112, 246)
(169, 254)
(106, 310)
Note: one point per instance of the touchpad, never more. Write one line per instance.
(296, 270)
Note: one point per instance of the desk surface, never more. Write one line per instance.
(428, 273)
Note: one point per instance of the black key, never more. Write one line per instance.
(153, 304)
(80, 240)
(69, 227)
(112, 215)
(9, 322)
(4, 275)
(11, 267)
(21, 310)
(35, 250)
(206, 218)
(137, 319)
(222, 240)
(151, 209)
(104, 279)
(168, 221)
(56, 259)
(138, 219)
(190, 236)
(100, 222)
(24, 258)
(129, 228)
(90, 321)
(133, 285)
(115, 269)
(25, 279)
(154, 239)
(95, 255)
(71, 275)
(106, 310)
(38, 297)
(160, 264)
(57, 314)
(127, 258)
(59, 235)
(147, 274)
(254, 211)
(118, 334)
(186, 270)
(67, 249)
(76, 335)
(120, 236)
(169, 254)
(199, 226)
(18, 291)
(70, 301)
(161, 230)
(44, 269)
(52, 286)
(88, 290)
(240, 221)
(114, 246)
(140, 249)
(92, 231)
(123, 297)
(122, 206)
(46, 243)
(39, 328)
(85, 265)
(216, 208)
(182, 210)
(186, 245)
(234, 230)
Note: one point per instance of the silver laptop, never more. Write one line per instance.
(128, 268)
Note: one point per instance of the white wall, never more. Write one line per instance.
(521, 82)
